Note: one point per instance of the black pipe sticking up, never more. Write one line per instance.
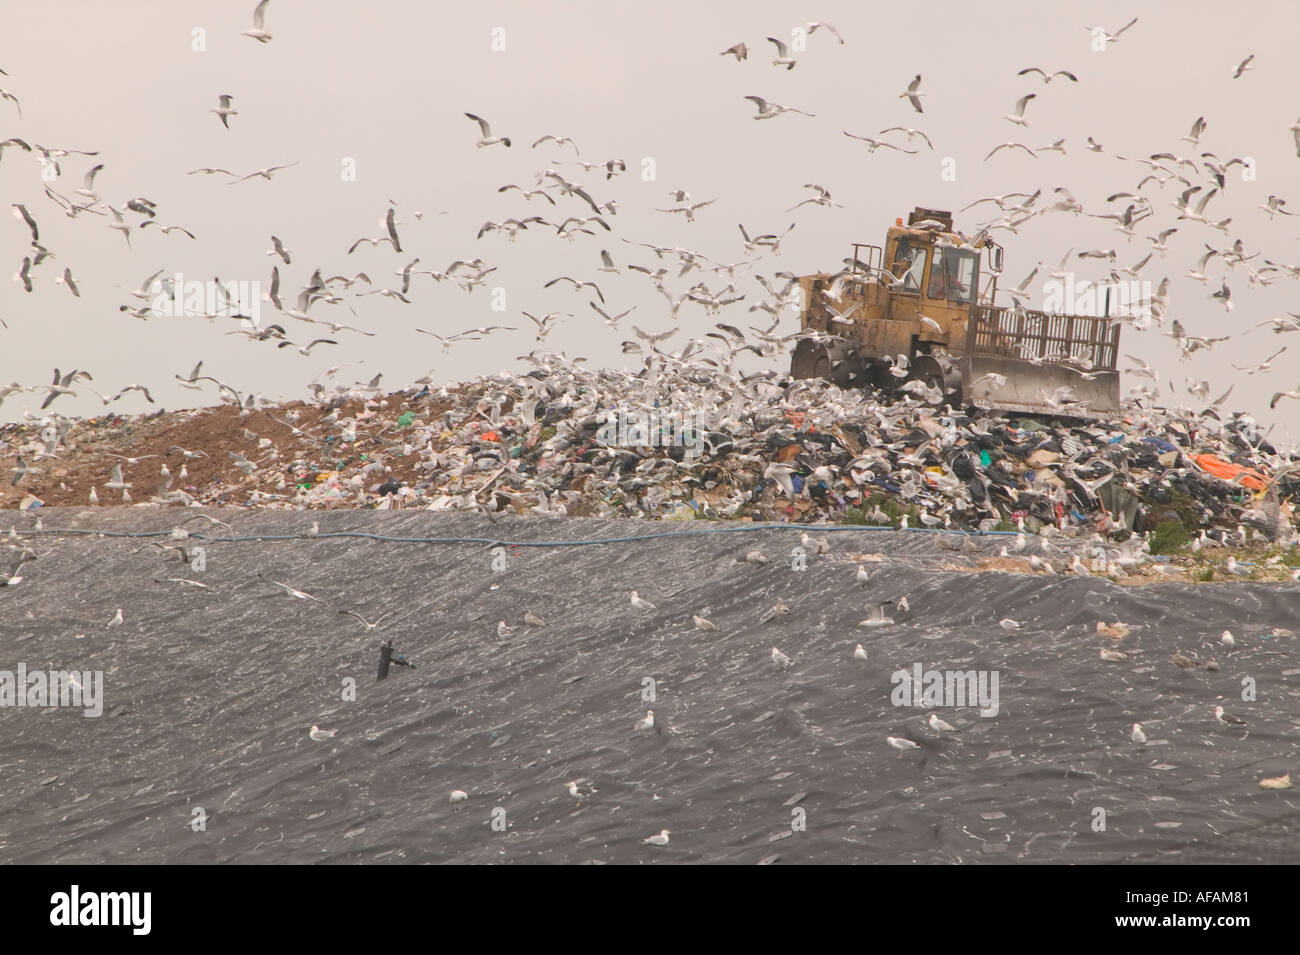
(387, 657)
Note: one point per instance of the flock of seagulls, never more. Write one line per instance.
(579, 214)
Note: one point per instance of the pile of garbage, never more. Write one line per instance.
(679, 443)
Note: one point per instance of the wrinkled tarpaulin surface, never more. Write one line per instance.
(210, 694)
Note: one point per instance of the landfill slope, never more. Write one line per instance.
(210, 694)
(567, 441)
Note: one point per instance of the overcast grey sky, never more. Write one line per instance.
(387, 84)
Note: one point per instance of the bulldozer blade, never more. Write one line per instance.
(1034, 388)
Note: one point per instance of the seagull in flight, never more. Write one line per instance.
(829, 27)
(1194, 136)
(5, 94)
(1265, 365)
(66, 279)
(610, 320)
(21, 212)
(996, 149)
(259, 31)
(874, 144)
(120, 225)
(266, 173)
(277, 248)
(1284, 394)
(783, 57)
(223, 109)
(577, 285)
(368, 624)
(488, 139)
(166, 229)
(115, 481)
(1273, 205)
(913, 93)
(547, 321)
(291, 591)
(305, 350)
(1018, 117)
(61, 385)
(1111, 38)
(559, 141)
(1048, 77)
(768, 110)
(910, 133)
(689, 210)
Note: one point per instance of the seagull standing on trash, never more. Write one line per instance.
(578, 791)
(1227, 718)
(940, 726)
(811, 543)
(780, 659)
(641, 604)
(859, 653)
(1137, 735)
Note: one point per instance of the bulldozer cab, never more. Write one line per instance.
(929, 276)
(923, 308)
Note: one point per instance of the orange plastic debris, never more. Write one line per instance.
(1227, 471)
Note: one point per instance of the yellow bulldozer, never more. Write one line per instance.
(922, 309)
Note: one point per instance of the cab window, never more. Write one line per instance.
(910, 259)
(952, 275)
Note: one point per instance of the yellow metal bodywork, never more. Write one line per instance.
(887, 322)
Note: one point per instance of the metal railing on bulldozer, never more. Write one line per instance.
(1002, 332)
